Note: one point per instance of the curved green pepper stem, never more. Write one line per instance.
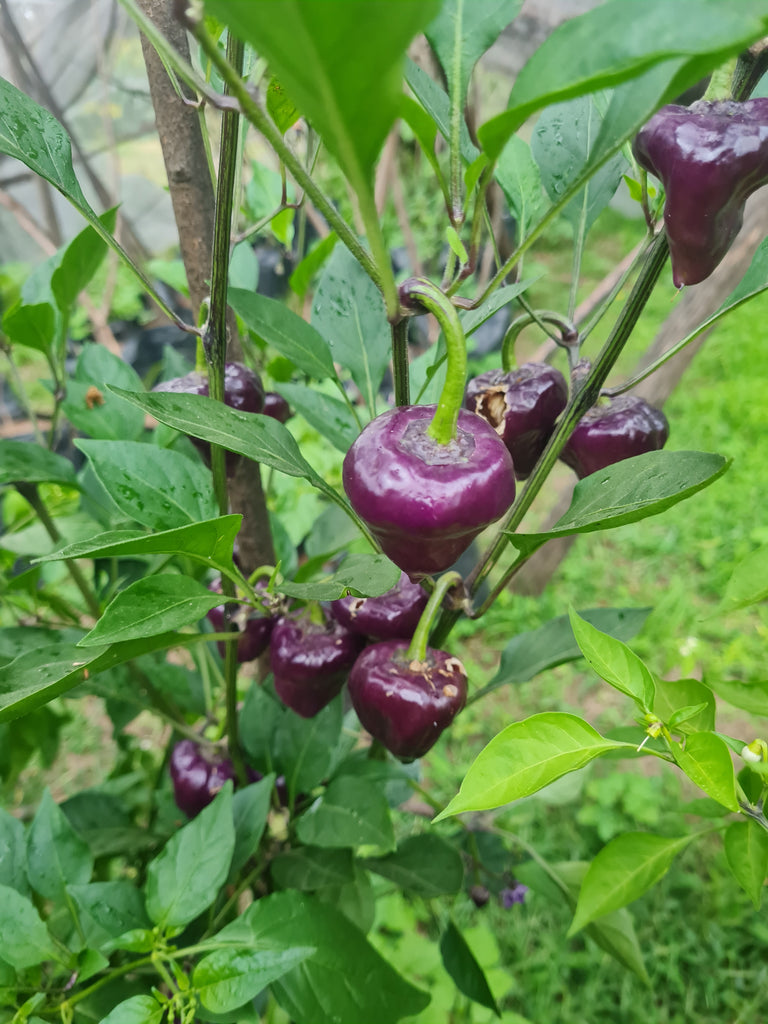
(417, 650)
(568, 338)
(417, 291)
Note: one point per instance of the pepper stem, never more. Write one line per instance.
(417, 291)
(417, 650)
(567, 339)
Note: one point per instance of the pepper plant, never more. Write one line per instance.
(253, 896)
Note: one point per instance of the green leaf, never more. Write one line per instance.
(518, 175)
(285, 331)
(436, 102)
(157, 487)
(24, 939)
(150, 606)
(80, 261)
(101, 414)
(250, 808)
(307, 868)
(561, 144)
(614, 662)
(349, 813)
(210, 542)
(230, 978)
(348, 311)
(462, 32)
(706, 761)
(751, 697)
(459, 961)
(330, 417)
(331, 59)
(629, 491)
(746, 850)
(56, 855)
(109, 909)
(355, 899)
(525, 757)
(362, 575)
(471, 319)
(673, 695)
(623, 870)
(554, 644)
(13, 853)
(303, 275)
(280, 106)
(136, 1010)
(619, 41)
(31, 325)
(424, 864)
(28, 462)
(373, 992)
(185, 878)
(425, 130)
(748, 584)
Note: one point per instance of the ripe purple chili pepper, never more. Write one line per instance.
(392, 616)
(196, 779)
(610, 433)
(710, 157)
(276, 407)
(255, 626)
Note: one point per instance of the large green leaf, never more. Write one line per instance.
(349, 813)
(308, 868)
(437, 104)
(99, 412)
(13, 853)
(285, 331)
(746, 849)
(250, 809)
(229, 978)
(674, 695)
(706, 760)
(330, 417)
(618, 41)
(554, 644)
(80, 261)
(623, 870)
(109, 909)
(32, 464)
(24, 939)
(348, 310)
(751, 697)
(614, 662)
(525, 757)
(518, 175)
(460, 962)
(332, 58)
(136, 1010)
(425, 865)
(56, 855)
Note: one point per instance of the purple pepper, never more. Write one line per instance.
(406, 704)
(243, 391)
(196, 779)
(276, 407)
(392, 616)
(310, 662)
(610, 433)
(425, 502)
(710, 157)
(522, 407)
(255, 626)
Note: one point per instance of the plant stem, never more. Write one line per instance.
(422, 292)
(400, 362)
(417, 651)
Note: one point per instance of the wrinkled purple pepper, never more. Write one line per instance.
(196, 779)
(255, 626)
(392, 616)
(611, 433)
(710, 157)
(425, 502)
(243, 391)
(522, 407)
(406, 704)
(276, 407)
(310, 662)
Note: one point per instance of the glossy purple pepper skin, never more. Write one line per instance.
(310, 662)
(425, 502)
(611, 433)
(404, 704)
(392, 616)
(243, 391)
(255, 626)
(710, 157)
(522, 407)
(276, 407)
(196, 779)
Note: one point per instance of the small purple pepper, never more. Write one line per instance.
(196, 779)
(611, 433)
(243, 391)
(425, 502)
(255, 626)
(276, 407)
(393, 616)
(522, 407)
(710, 157)
(310, 662)
(406, 704)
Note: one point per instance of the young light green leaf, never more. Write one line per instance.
(614, 662)
(56, 855)
(748, 584)
(24, 939)
(285, 331)
(229, 978)
(525, 757)
(31, 324)
(349, 813)
(623, 870)
(554, 644)
(80, 261)
(308, 868)
(706, 761)
(460, 962)
(675, 695)
(330, 417)
(185, 878)
(424, 864)
(280, 106)
(362, 575)
(32, 464)
(150, 606)
(158, 487)
(136, 1010)
(746, 849)
(518, 175)
(348, 311)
